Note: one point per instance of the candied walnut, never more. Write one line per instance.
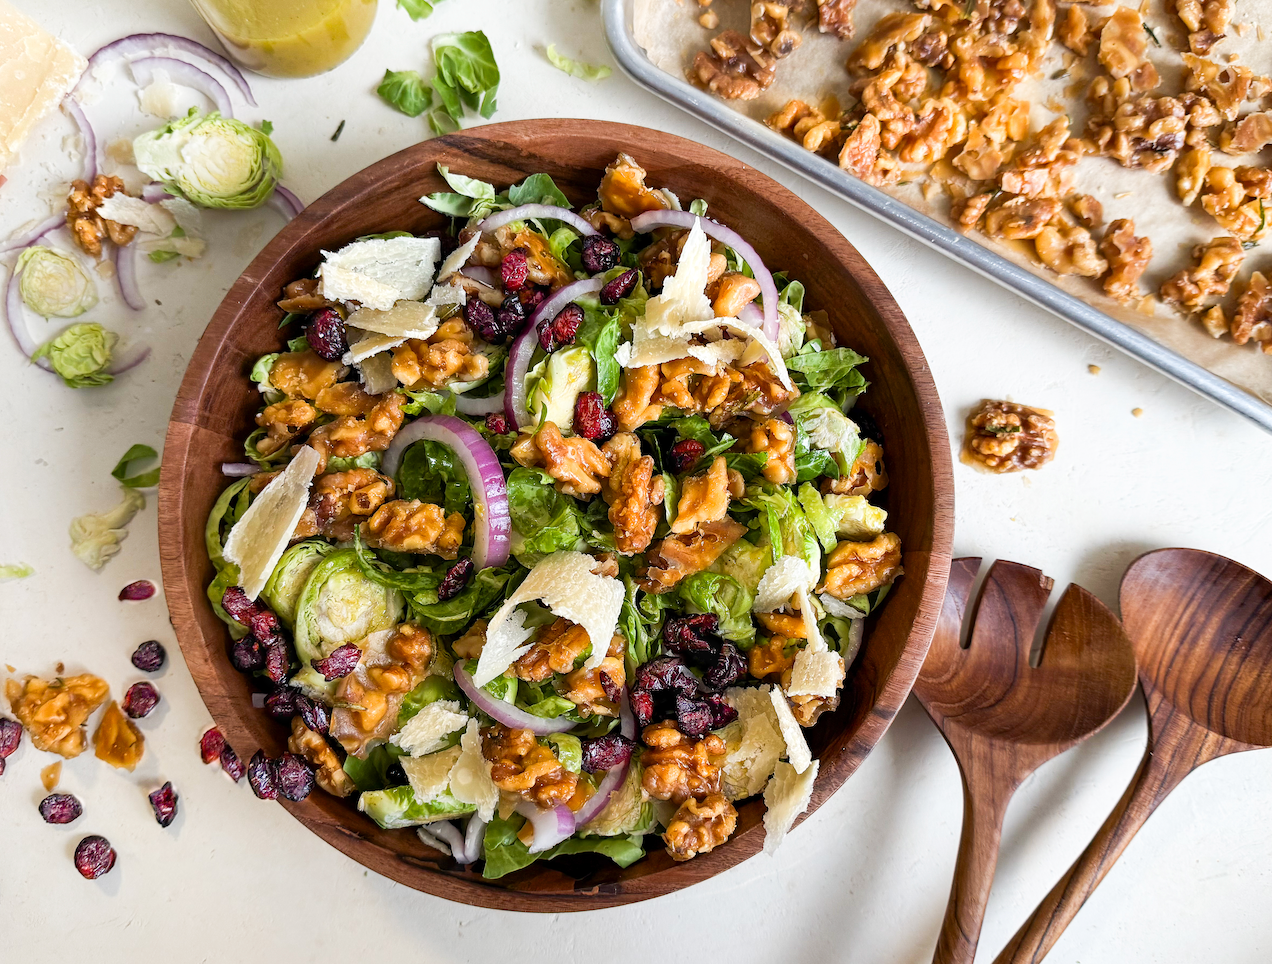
(589, 691)
(470, 645)
(734, 292)
(1217, 263)
(331, 775)
(54, 711)
(446, 356)
(623, 192)
(1006, 437)
(1046, 168)
(677, 556)
(1252, 133)
(807, 709)
(302, 374)
(1070, 249)
(1206, 20)
(791, 114)
(703, 498)
(544, 268)
(632, 492)
(835, 16)
(992, 138)
(777, 438)
(1021, 217)
(862, 151)
(87, 227)
(771, 29)
(282, 421)
(768, 657)
(1215, 321)
(940, 125)
(305, 295)
(658, 261)
(1123, 45)
(520, 764)
(932, 47)
(1075, 30)
(1128, 256)
(576, 464)
(347, 436)
(634, 405)
(556, 648)
(677, 768)
(345, 398)
(338, 501)
(1252, 319)
(969, 210)
(117, 740)
(1088, 211)
(891, 32)
(415, 526)
(1225, 86)
(368, 699)
(700, 827)
(853, 568)
(886, 95)
(1140, 132)
(735, 69)
(867, 475)
(602, 220)
(1190, 173)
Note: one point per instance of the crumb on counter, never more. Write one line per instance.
(1093, 369)
(1137, 412)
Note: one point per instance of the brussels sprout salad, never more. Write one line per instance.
(555, 530)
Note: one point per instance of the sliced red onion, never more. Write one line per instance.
(155, 192)
(447, 832)
(492, 527)
(187, 75)
(27, 238)
(751, 315)
(504, 712)
(527, 211)
(432, 840)
(285, 202)
(125, 259)
(474, 840)
(481, 274)
(89, 171)
(609, 784)
(236, 470)
(550, 826)
(650, 220)
(15, 312)
(130, 357)
(479, 406)
(157, 44)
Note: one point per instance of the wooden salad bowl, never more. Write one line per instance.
(216, 404)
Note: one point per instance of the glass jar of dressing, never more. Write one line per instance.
(289, 38)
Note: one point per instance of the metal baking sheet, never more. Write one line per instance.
(620, 31)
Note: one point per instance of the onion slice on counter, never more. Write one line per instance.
(160, 44)
(285, 202)
(550, 826)
(76, 113)
(527, 211)
(479, 406)
(187, 75)
(504, 712)
(28, 238)
(651, 220)
(130, 357)
(125, 259)
(236, 470)
(15, 313)
(492, 523)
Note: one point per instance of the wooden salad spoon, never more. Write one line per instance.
(1004, 718)
(1201, 626)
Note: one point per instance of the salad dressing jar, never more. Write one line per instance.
(289, 38)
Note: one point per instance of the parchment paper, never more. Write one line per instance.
(670, 34)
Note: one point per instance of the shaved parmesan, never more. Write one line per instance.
(427, 730)
(646, 349)
(377, 375)
(444, 295)
(405, 319)
(785, 798)
(815, 642)
(160, 98)
(458, 258)
(758, 345)
(366, 344)
(565, 583)
(150, 218)
(469, 778)
(781, 581)
(753, 742)
(378, 272)
(796, 746)
(816, 673)
(429, 776)
(187, 215)
(683, 298)
(259, 538)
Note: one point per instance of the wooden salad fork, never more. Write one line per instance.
(1201, 626)
(1004, 718)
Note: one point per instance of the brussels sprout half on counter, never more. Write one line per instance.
(54, 283)
(81, 354)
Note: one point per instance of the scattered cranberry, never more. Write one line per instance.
(729, 667)
(260, 776)
(592, 419)
(326, 334)
(211, 744)
(511, 316)
(605, 752)
(281, 704)
(599, 254)
(642, 704)
(276, 659)
(341, 662)
(560, 331)
(231, 764)
(666, 673)
(693, 716)
(149, 656)
(134, 591)
(514, 270)
(691, 634)
(456, 578)
(620, 287)
(263, 623)
(247, 655)
(140, 700)
(722, 714)
(313, 713)
(613, 691)
(294, 776)
(684, 454)
(497, 422)
(10, 737)
(94, 856)
(60, 808)
(480, 317)
(164, 802)
(235, 602)
(531, 296)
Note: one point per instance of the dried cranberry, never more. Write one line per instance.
(294, 776)
(140, 700)
(728, 668)
(722, 714)
(607, 751)
(667, 673)
(599, 254)
(340, 662)
(692, 636)
(326, 334)
(231, 764)
(515, 269)
(263, 623)
(592, 419)
(235, 602)
(281, 704)
(642, 703)
(135, 591)
(247, 655)
(456, 578)
(149, 656)
(620, 287)
(260, 776)
(10, 736)
(497, 422)
(693, 716)
(94, 856)
(395, 775)
(560, 331)
(480, 317)
(511, 316)
(684, 454)
(60, 808)
(211, 744)
(313, 713)
(613, 691)
(164, 802)
(276, 659)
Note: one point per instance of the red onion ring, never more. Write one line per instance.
(30, 237)
(153, 44)
(429, 838)
(474, 840)
(504, 712)
(154, 192)
(492, 529)
(650, 220)
(481, 274)
(125, 259)
(76, 112)
(473, 407)
(448, 833)
(285, 202)
(627, 721)
(550, 826)
(609, 784)
(187, 75)
(527, 211)
(15, 313)
(130, 357)
(236, 470)
(751, 315)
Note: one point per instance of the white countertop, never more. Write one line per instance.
(866, 878)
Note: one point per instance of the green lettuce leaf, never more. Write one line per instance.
(416, 9)
(16, 570)
(406, 91)
(431, 472)
(506, 854)
(134, 455)
(80, 355)
(544, 520)
(727, 598)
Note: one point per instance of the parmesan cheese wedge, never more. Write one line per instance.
(146, 217)
(377, 375)
(796, 746)
(781, 581)
(816, 673)
(458, 258)
(469, 778)
(427, 730)
(683, 297)
(753, 742)
(785, 798)
(258, 540)
(365, 345)
(758, 345)
(404, 319)
(378, 272)
(429, 776)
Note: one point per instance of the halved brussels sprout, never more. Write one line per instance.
(555, 383)
(54, 283)
(628, 812)
(339, 605)
(397, 807)
(288, 579)
(81, 354)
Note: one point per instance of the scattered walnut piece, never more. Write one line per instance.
(1139, 131)
(1006, 437)
(87, 227)
(338, 501)
(1070, 249)
(367, 700)
(835, 16)
(777, 439)
(623, 192)
(677, 556)
(1252, 133)
(304, 295)
(1088, 210)
(1075, 30)
(576, 464)
(54, 711)
(282, 421)
(867, 475)
(445, 356)
(1226, 87)
(862, 151)
(633, 405)
(853, 568)
(117, 740)
(768, 658)
(1019, 218)
(415, 526)
(1206, 20)
(733, 292)
(519, 763)
(1252, 319)
(1190, 173)
(1123, 46)
(699, 827)
(735, 69)
(1128, 257)
(633, 493)
(892, 31)
(676, 767)
(709, 20)
(1215, 321)
(939, 125)
(348, 436)
(591, 689)
(771, 29)
(703, 498)
(1217, 263)
(331, 775)
(302, 374)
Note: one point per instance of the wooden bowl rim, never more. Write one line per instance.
(893, 690)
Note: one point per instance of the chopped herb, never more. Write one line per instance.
(1002, 429)
(969, 9)
(1149, 30)
(267, 127)
(339, 131)
(1056, 75)
(16, 570)
(137, 453)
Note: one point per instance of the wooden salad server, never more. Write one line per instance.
(1201, 626)
(1004, 718)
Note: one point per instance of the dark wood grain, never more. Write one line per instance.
(1004, 718)
(1201, 626)
(214, 409)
